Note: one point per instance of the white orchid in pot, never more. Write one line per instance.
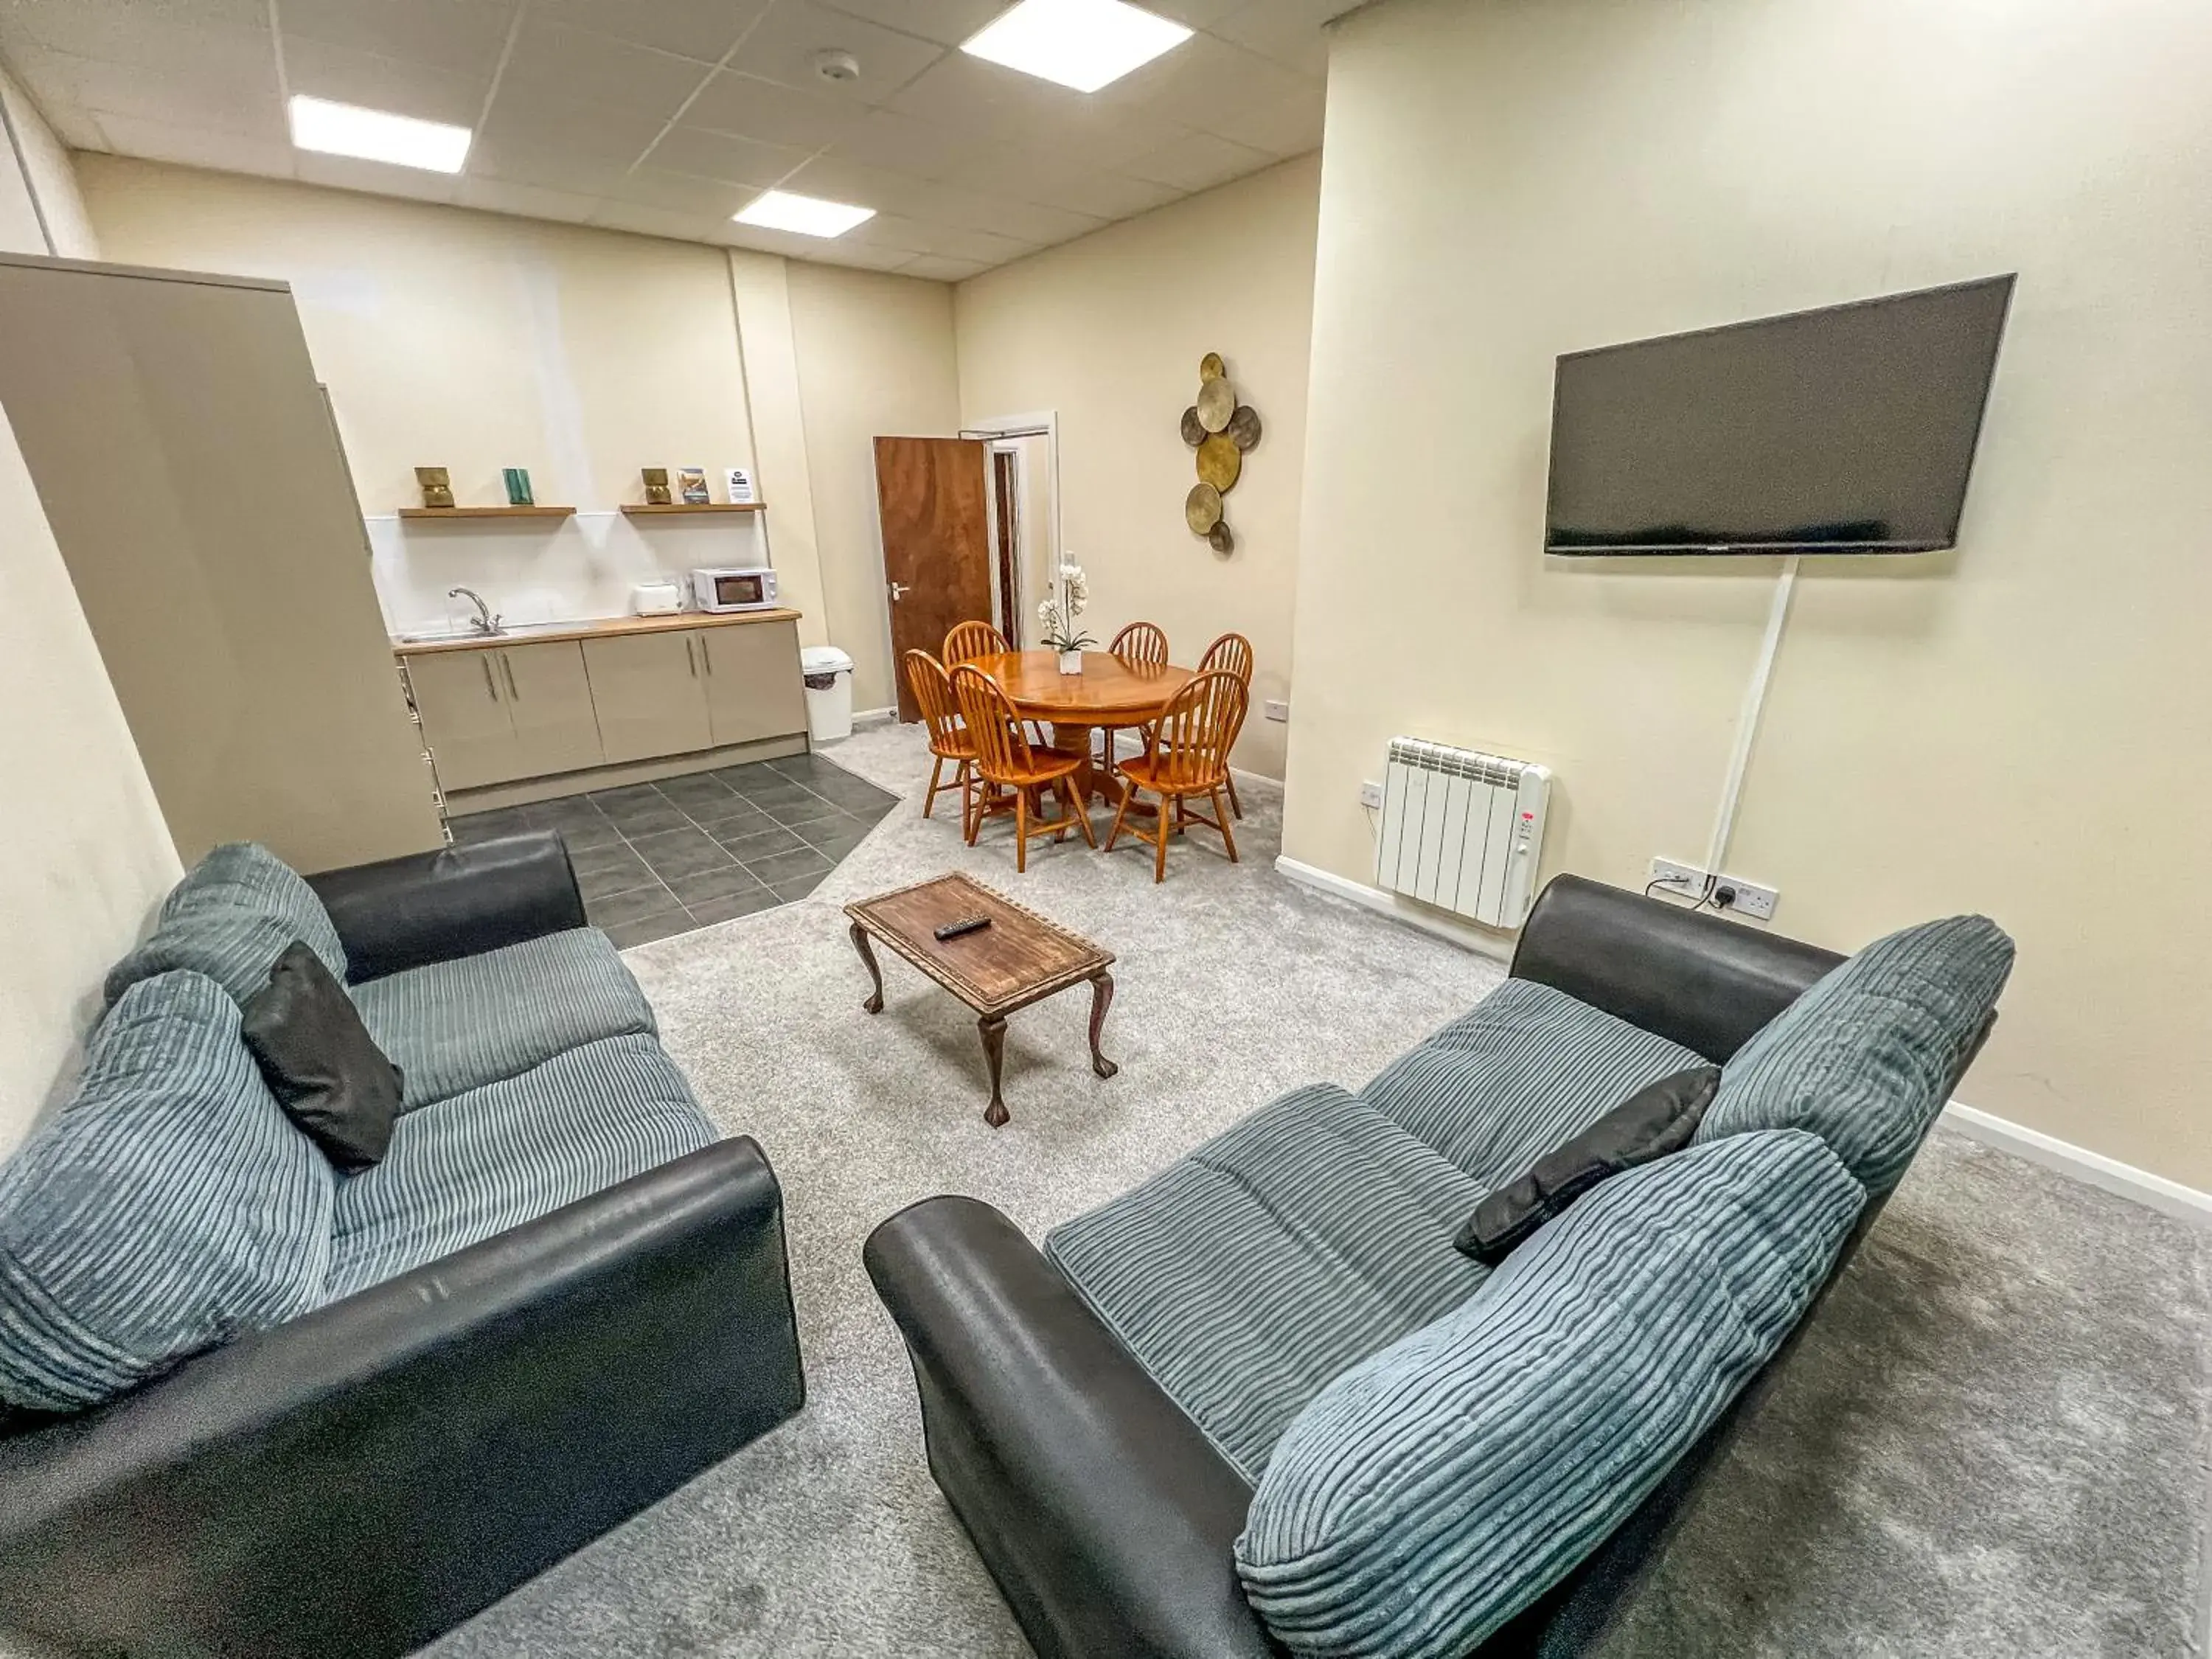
(1058, 614)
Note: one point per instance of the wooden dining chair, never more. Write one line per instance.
(1007, 759)
(1141, 641)
(1189, 757)
(969, 641)
(948, 736)
(1231, 652)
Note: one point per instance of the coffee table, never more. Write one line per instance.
(1020, 958)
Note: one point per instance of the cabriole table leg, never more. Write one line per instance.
(995, 1050)
(874, 1004)
(1101, 999)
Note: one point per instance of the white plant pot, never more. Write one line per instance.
(1071, 662)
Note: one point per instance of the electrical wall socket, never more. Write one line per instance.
(1370, 794)
(1688, 881)
(1276, 709)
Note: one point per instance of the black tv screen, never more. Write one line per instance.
(1845, 431)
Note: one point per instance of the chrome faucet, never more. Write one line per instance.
(483, 621)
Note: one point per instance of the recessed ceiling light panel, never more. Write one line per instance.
(374, 136)
(810, 216)
(1083, 43)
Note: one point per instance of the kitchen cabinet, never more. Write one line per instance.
(463, 720)
(517, 711)
(753, 680)
(549, 696)
(649, 690)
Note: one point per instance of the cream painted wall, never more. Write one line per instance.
(875, 356)
(2019, 726)
(81, 873)
(1107, 332)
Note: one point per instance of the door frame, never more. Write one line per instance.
(1036, 423)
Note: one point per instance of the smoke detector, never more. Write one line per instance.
(835, 65)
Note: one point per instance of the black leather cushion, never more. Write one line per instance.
(1657, 1119)
(325, 1069)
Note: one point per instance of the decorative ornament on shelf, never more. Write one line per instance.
(517, 479)
(1071, 594)
(656, 485)
(436, 484)
(693, 481)
(740, 481)
(1221, 430)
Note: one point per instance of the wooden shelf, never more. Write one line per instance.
(487, 511)
(638, 510)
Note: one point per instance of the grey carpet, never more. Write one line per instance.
(1994, 1442)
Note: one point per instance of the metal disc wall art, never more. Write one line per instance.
(1221, 431)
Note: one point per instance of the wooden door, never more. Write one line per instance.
(753, 684)
(549, 697)
(935, 508)
(463, 702)
(650, 692)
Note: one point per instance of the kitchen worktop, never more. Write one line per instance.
(533, 634)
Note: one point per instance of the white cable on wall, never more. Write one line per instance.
(1747, 726)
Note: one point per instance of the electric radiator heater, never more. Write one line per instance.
(1462, 829)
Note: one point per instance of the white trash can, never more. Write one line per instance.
(828, 692)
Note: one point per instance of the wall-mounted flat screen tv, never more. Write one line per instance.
(1850, 429)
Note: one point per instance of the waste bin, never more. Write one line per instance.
(828, 692)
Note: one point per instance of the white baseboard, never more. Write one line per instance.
(874, 716)
(2107, 1173)
(1498, 949)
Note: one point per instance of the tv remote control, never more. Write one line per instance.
(964, 924)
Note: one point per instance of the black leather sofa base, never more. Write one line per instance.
(357, 1481)
(1102, 1512)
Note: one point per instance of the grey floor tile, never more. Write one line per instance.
(646, 929)
(787, 866)
(726, 883)
(565, 810)
(805, 811)
(754, 778)
(605, 856)
(681, 851)
(798, 887)
(636, 818)
(758, 844)
(633, 906)
(832, 837)
(724, 818)
(487, 826)
(695, 787)
(623, 875)
(708, 911)
(585, 832)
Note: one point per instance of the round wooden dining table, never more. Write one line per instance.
(1110, 694)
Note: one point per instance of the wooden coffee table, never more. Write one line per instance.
(1020, 958)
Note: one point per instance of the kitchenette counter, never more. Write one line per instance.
(603, 628)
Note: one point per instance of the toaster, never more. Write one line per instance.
(656, 599)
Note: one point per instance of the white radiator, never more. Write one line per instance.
(1462, 829)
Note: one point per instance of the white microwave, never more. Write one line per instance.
(748, 587)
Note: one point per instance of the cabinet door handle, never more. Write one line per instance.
(508, 662)
(706, 654)
(692, 656)
(491, 685)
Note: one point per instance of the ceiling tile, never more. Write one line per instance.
(895, 231)
(1194, 14)
(937, 268)
(718, 156)
(529, 201)
(1030, 171)
(974, 96)
(754, 108)
(880, 188)
(946, 21)
(550, 62)
(77, 127)
(655, 221)
(884, 139)
(1287, 126)
(223, 83)
(1114, 196)
(197, 147)
(1025, 222)
(788, 243)
(140, 36)
(348, 76)
(1203, 84)
(1200, 162)
(684, 192)
(701, 29)
(784, 46)
(862, 256)
(347, 172)
(581, 147)
(1287, 31)
(464, 36)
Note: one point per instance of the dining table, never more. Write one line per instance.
(1111, 694)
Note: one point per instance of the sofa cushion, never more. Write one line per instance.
(1865, 1058)
(454, 1026)
(318, 1059)
(230, 918)
(168, 1206)
(1429, 1493)
(1246, 1276)
(1519, 1074)
(465, 1169)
